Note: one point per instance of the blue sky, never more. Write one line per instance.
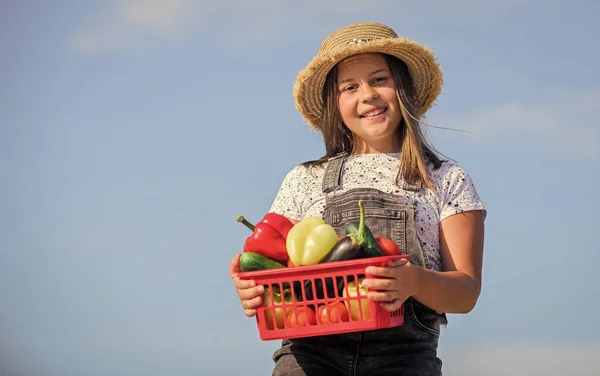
(132, 133)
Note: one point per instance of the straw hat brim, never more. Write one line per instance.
(422, 65)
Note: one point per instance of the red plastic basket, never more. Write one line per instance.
(328, 284)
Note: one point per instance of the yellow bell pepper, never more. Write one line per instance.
(353, 305)
(310, 240)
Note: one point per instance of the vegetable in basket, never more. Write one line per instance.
(268, 236)
(388, 247)
(352, 304)
(371, 248)
(351, 245)
(250, 261)
(332, 312)
(309, 241)
(280, 315)
(301, 316)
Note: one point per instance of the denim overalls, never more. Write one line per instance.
(409, 349)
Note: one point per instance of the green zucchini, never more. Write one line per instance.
(251, 261)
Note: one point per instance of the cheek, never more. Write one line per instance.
(392, 99)
(346, 109)
(390, 95)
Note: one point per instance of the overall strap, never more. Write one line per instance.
(409, 186)
(403, 184)
(333, 173)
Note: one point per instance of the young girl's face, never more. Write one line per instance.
(367, 101)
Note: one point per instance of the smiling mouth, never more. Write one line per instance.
(374, 113)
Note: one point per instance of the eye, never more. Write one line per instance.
(349, 88)
(380, 80)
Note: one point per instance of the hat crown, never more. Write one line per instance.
(356, 33)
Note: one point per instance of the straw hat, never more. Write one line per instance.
(365, 37)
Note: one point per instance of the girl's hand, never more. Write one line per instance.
(391, 285)
(248, 292)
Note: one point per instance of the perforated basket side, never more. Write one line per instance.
(315, 286)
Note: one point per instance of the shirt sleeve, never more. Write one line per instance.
(459, 193)
(288, 200)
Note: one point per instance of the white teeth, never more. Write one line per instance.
(374, 113)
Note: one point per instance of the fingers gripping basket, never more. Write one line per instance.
(320, 299)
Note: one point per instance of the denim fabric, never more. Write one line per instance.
(409, 349)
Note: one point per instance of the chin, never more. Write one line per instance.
(379, 134)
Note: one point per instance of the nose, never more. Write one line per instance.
(368, 93)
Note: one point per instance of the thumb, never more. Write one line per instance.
(234, 267)
(398, 262)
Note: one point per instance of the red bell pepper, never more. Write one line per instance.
(268, 236)
(387, 247)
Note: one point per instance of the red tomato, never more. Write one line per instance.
(387, 247)
(290, 264)
(300, 317)
(332, 313)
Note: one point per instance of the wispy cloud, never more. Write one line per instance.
(564, 121)
(133, 22)
(130, 23)
(520, 359)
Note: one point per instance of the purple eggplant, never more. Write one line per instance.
(353, 245)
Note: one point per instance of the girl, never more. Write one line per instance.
(365, 91)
